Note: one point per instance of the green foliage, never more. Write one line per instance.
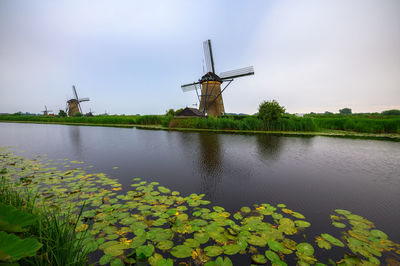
(248, 123)
(270, 111)
(367, 125)
(62, 113)
(345, 111)
(13, 220)
(391, 112)
(55, 231)
(78, 114)
(13, 248)
(170, 112)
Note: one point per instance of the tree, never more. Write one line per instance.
(270, 110)
(62, 113)
(170, 112)
(77, 114)
(345, 111)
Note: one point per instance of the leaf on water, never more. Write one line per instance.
(343, 212)
(181, 251)
(231, 249)
(338, 224)
(287, 226)
(165, 244)
(303, 224)
(305, 248)
(213, 251)
(259, 259)
(275, 245)
(333, 240)
(378, 234)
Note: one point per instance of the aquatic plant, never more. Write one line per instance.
(152, 223)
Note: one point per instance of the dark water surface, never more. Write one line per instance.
(312, 175)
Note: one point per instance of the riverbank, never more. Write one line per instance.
(324, 133)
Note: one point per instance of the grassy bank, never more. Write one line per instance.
(379, 127)
(32, 235)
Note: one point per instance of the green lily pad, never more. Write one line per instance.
(287, 226)
(275, 245)
(231, 249)
(281, 205)
(115, 250)
(259, 259)
(343, 212)
(245, 209)
(213, 251)
(338, 224)
(303, 224)
(105, 259)
(145, 251)
(305, 248)
(256, 240)
(378, 234)
(165, 244)
(190, 242)
(272, 256)
(322, 243)
(333, 240)
(201, 237)
(181, 251)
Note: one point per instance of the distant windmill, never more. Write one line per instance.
(210, 84)
(73, 105)
(46, 112)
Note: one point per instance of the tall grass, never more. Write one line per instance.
(54, 229)
(366, 125)
(247, 123)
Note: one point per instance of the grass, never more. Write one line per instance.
(54, 229)
(358, 123)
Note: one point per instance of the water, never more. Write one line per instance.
(312, 175)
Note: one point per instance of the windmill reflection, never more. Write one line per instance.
(75, 136)
(209, 163)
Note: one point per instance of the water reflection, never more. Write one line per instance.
(76, 140)
(209, 163)
(269, 147)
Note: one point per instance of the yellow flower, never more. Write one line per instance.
(81, 228)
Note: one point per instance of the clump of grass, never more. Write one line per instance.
(54, 229)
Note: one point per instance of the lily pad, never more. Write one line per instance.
(378, 234)
(259, 259)
(213, 251)
(333, 240)
(305, 248)
(231, 249)
(181, 251)
(165, 244)
(338, 224)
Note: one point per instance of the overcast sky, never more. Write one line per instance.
(131, 57)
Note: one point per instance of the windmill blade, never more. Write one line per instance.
(83, 100)
(208, 56)
(191, 87)
(246, 71)
(74, 91)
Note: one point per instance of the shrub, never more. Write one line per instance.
(345, 111)
(270, 110)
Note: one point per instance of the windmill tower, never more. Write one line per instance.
(46, 112)
(209, 85)
(73, 105)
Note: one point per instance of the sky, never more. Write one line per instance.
(131, 57)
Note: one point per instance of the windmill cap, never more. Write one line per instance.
(210, 77)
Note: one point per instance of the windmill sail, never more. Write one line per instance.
(208, 56)
(191, 86)
(246, 71)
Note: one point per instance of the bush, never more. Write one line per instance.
(345, 111)
(270, 111)
(78, 114)
(62, 113)
(391, 112)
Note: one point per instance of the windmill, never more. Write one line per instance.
(210, 84)
(46, 112)
(73, 105)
